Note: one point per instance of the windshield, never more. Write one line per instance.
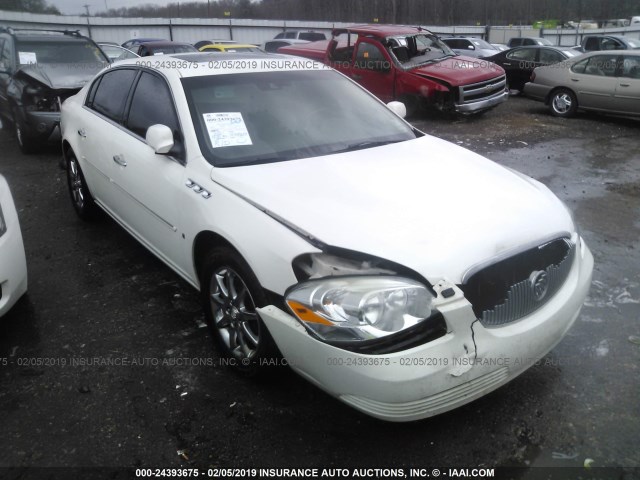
(482, 44)
(117, 53)
(77, 51)
(633, 43)
(265, 117)
(415, 50)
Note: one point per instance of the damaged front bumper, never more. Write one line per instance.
(466, 363)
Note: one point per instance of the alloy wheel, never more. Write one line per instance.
(234, 313)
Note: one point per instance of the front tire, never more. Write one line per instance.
(230, 295)
(27, 143)
(81, 198)
(563, 103)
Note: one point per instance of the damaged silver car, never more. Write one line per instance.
(39, 69)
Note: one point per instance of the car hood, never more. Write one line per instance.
(59, 76)
(431, 206)
(460, 70)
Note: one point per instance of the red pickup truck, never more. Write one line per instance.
(409, 64)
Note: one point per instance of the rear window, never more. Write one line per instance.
(312, 36)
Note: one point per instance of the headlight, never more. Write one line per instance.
(359, 308)
(3, 225)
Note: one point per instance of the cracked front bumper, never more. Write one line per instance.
(466, 363)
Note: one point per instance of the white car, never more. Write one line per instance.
(13, 264)
(400, 273)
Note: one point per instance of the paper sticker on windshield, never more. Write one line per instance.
(26, 58)
(226, 129)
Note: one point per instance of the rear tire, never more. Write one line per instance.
(563, 103)
(230, 295)
(81, 198)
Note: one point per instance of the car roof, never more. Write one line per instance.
(292, 41)
(229, 45)
(382, 30)
(198, 64)
(48, 36)
(164, 43)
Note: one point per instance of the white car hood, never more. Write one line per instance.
(427, 204)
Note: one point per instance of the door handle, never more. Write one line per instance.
(625, 84)
(119, 159)
(575, 80)
(356, 76)
(82, 132)
(507, 64)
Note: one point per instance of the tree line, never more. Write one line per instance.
(425, 12)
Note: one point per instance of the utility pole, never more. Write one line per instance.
(86, 6)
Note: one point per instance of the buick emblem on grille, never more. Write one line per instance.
(539, 284)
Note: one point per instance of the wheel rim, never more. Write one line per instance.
(234, 313)
(75, 183)
(19, 134)
(562, 103)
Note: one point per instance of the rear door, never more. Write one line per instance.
(627, 96)
(595, 81)
(518, 64)
(99, 124)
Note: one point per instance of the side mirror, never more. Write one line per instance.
(398, 108)
(160, 138)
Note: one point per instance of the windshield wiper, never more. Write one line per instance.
(363, 145)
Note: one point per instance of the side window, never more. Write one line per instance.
(523, 54)
(290, 35)
(111, 94)
(369, 57)
(580, 66)
(453, 43)
(611, 44)
(280, 35)
(466, 44)
(528, 41)
(602, 66)
(548, 56)
(593, 43)
(631, 67)
(152, 104)
(92, 92)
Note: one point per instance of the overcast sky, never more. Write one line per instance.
(75, 7)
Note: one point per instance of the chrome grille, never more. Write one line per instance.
(527, 296)
(514, 286)
(482, 90)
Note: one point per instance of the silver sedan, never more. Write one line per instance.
(600, 81)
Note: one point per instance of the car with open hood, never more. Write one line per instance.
(39, 69)
(401, 273)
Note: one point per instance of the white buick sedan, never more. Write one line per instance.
(402, 274)
(13, 264)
